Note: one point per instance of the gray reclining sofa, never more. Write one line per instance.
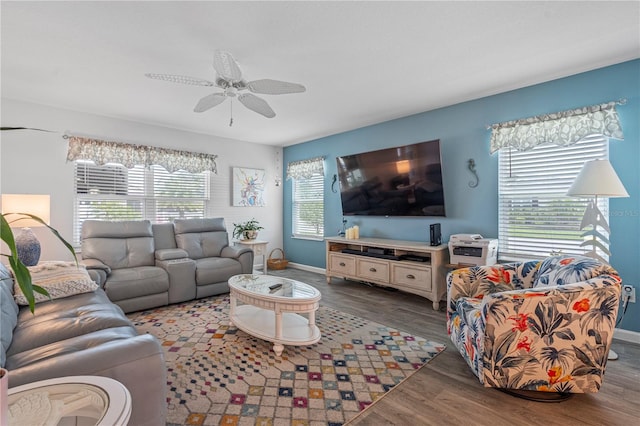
(142, 266)
(137, 266)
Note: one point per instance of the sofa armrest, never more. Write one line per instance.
(244, 255)
(577, 320)
(478, 281)
(171, 254)
(234, 252)
(97, 271)
(182, 278)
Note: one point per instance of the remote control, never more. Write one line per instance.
(275, 286)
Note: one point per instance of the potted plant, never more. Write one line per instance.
(20, 271)
(246, 230)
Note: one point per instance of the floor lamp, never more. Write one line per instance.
(597, 179)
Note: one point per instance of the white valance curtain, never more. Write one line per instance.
(561, 128)
(102, 152)
(304, 169)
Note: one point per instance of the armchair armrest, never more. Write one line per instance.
(478, 281)
(568, 328)
(95, 264)
(171, 254)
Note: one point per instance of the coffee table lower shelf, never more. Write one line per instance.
(293, 330)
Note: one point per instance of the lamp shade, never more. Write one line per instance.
(37, 205)
(597, 178)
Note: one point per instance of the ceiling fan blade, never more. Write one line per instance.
(209, 102)
(183, 79)
(226, 66)
(256, 104)
(274, 87)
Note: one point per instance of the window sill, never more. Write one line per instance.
(308, 238)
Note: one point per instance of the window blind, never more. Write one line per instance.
(536, 217)
(308, 207)
(114, 192)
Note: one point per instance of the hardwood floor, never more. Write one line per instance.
(445, 391)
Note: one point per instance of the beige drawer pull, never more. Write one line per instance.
(411, 276)
(372, 270)
(343, 264)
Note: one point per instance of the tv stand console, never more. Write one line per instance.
(411, 266)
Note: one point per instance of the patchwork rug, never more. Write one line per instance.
(219, 375)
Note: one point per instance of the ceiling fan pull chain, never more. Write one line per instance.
(231, 108)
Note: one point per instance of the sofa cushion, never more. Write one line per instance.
(64, 319)
(216, 269)
(135, 282)
(60, 279)
(8, 313)
(560, 270)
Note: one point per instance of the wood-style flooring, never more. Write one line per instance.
(445, 391)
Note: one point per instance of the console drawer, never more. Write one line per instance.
(374, 270)
(418, 277)
(342, 264)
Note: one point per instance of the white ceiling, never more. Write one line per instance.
(362, 63)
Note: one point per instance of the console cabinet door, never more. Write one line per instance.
(416, 277)
(374, 270)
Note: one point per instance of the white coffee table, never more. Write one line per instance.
(273, 314)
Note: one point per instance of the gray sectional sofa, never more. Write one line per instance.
(137, 266)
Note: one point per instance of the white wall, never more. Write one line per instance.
(35, 162)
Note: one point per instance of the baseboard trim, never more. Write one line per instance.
(626, 335)
(307, 268)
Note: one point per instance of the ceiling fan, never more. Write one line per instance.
(229, 78)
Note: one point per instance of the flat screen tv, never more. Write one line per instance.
(400, 181)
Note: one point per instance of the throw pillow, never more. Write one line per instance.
(60, 279)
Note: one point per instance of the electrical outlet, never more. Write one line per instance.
(630, 292)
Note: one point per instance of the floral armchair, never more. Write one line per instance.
(538, 325)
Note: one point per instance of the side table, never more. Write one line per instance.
(93, 400)
(259, 249)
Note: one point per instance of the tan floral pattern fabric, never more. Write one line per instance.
(516, 332)
(103, 152)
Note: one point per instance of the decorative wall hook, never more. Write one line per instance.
(333, 183)
(472, 169)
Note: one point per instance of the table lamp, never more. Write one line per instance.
(597, 179)
(14, 205)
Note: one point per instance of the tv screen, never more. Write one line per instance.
(400, 181)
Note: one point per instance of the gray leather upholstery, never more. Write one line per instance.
(86, 334)
(142, 266)
(207, 242)
(125, 251)
(8, 312)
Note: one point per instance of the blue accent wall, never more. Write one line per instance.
(463, 135)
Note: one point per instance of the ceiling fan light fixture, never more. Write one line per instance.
(229, 79)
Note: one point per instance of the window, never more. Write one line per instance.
(536, 217)
(113, 192)
(308, 207)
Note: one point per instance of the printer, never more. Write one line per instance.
(472, 249)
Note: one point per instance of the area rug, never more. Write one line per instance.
(219, 375)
